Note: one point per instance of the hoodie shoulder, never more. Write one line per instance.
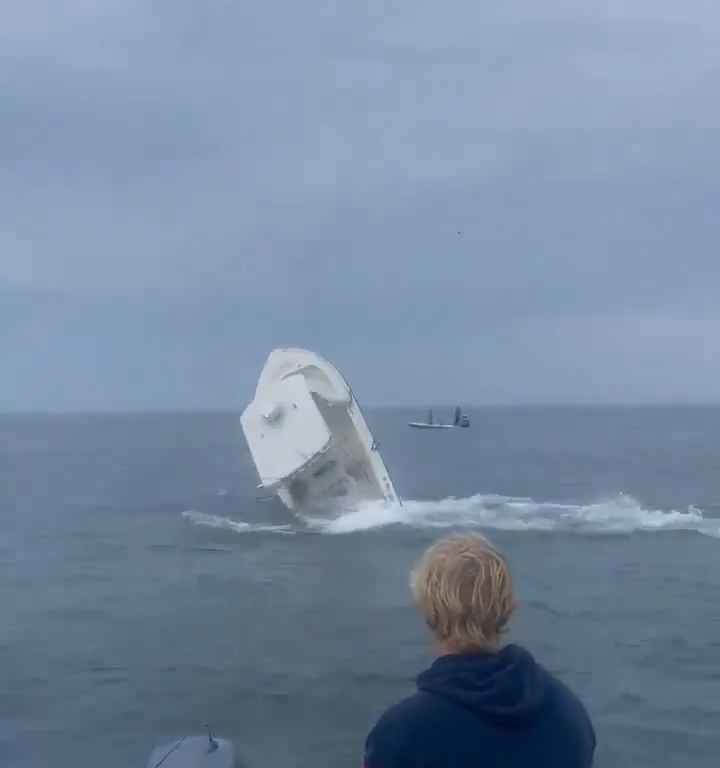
(572, 711)
(398, 734)
(403, 718)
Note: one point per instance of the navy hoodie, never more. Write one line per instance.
(500, 710)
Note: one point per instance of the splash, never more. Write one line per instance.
(619, 514)
(236, 526)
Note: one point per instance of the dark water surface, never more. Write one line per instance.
(145, 590)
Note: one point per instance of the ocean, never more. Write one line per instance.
(146, 589)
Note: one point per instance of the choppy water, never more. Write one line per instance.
(146, 590)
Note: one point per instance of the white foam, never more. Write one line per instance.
(364, 518)
(237, 526)
(617, 514)
(614, 515)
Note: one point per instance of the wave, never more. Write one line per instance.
(236, 526)
(614, 515)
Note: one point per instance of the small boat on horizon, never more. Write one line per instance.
(462, 420)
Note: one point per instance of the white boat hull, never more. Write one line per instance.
(308, 438)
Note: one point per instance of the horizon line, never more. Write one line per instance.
(200, 410)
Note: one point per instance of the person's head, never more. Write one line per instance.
(463, 588)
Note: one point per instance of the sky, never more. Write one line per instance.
(454, 202)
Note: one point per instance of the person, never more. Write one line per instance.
(481, 704)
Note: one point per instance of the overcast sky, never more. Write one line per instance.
(453, 202)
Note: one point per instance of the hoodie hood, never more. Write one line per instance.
(507, 687)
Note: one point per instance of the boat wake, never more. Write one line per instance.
(615, 515)
(236, 526)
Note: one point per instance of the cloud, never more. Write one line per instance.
(192, 183)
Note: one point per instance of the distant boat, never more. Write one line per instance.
(462, 420)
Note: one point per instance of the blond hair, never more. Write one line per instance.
(463, 588)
